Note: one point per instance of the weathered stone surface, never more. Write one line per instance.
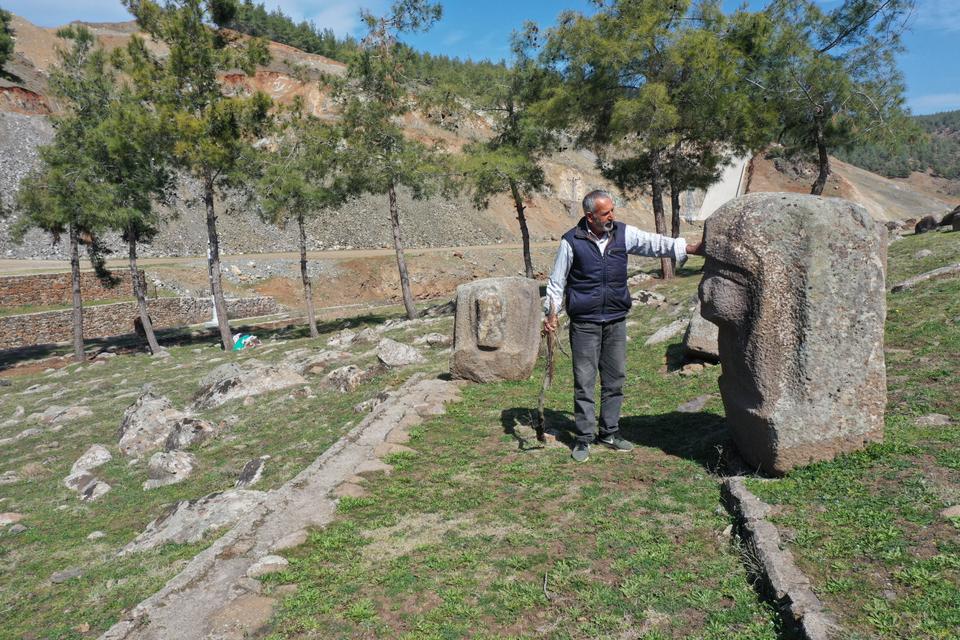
(700, 340)
(666, 333)
(933, 420)
(249, 381)
(497, 329)
(434, 340)
(926, 223)
(396, 354)
(315, 361)
(168, 467)
(67, 574)
(344, 379)
(10, 517)
(55, 414)
(341, 339)
(96, 455)
(187, 520)
(266, 565)
(796, 285)
(189, 431)
(251, 473)
(146, 424)
(87, 486)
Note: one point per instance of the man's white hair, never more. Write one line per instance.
(590, 200)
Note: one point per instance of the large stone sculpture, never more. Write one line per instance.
(796, 285)
(497, 329)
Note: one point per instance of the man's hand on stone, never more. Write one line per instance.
(695, 249)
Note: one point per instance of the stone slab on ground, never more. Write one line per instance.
(214, 585)
(789, 587)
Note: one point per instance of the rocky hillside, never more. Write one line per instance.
(25, 107)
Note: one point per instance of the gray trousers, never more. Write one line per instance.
(598, 346)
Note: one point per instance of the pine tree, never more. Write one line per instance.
(510, 161)
(6, 38)
(302, 176)
(211, 130)
(372, 114)
(66, 193)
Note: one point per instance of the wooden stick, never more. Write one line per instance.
(551, 337)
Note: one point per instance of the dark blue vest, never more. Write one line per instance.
(596, 288)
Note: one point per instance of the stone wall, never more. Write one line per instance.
(50, 327)
(55, 288)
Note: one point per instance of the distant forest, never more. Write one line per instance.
(937, 151)
(464, 78)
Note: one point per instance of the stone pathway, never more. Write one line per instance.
(212, 598)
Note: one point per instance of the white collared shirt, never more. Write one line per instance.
(639, 243)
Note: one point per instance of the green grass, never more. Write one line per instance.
(292, 431)
(866, 527)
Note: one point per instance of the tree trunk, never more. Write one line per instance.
(139, 291)
(401, 263)
(213, 264)
(823, 160)
(656, 187)
(524, 232)
(307, 287)
(674, 214)
(78, 354)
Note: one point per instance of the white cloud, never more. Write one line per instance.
(341, 16)
(940, 15)
(934, 102)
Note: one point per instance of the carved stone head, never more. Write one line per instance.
(796, 286)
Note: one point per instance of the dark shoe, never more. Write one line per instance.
(616, 443)
(581, 452)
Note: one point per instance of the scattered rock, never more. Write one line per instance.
(341, 339)
(251, 473)
(267, 565)
(371, 403)
(87, 486)
(146, 424)
(951, 512)
(315, 361)
(345, 379)
(10, 517)
(55, 414)
(434, 340)
(700, 339)
(366, 336)
(96, 535)
(933, 420)
(651, 298)
(249, 401)
(248, 382)
(168, 467)
(188, 520)
(187, 432)
(665, 333)
(923, 253)
(9, 477)
(95, 456)
(15, 529)
(638, 278)
(394, 354)
(926, 223)
(695, 405)
(67, 574)
(221, 373)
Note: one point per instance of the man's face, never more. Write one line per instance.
(601, 218)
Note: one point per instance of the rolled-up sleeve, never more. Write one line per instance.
(558, 278)
(654, 245)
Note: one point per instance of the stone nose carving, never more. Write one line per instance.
(796, 286)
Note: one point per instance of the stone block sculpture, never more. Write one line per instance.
(795, 284)
(497, 329)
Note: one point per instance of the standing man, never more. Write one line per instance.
(589, 279)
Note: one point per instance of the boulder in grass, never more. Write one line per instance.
(926, 223)
(249, 381)
(188, 520)
(396, 354)
(497, 329)
(189, 431)
(795, 284)
(345, 379)
(168, 467)
(146, 424)
(700, 339)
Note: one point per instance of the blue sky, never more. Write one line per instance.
(481, 29)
